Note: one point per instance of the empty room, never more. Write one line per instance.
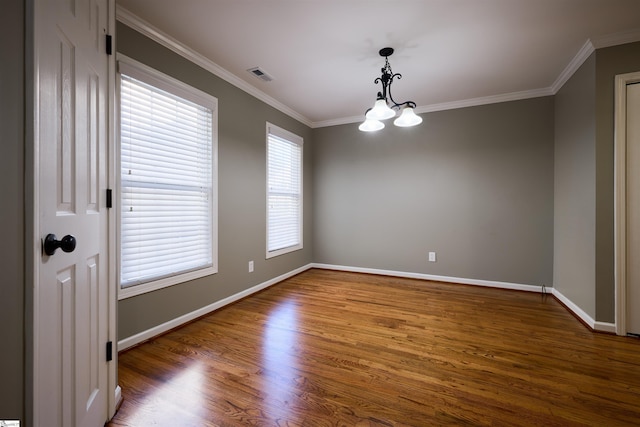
(318, 213)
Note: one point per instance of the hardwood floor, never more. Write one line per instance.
(329, 348)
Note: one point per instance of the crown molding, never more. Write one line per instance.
(131, 20)
(484, 100)
(588, 48)
(140, 25)
(472, 102)
(339, 121)
(576, 62)
(616, 39)
(583, 54)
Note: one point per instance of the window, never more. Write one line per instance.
(168, 196)
(284, 191)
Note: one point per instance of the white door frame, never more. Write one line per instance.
(620, 198)
(115, 392)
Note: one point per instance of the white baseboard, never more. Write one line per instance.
(117, 397)
(575, 309)
(164, 327)
(459, 280)
(593, 324)
(157, 330)
(605, 327)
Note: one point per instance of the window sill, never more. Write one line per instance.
(165, 282)
(283, 251)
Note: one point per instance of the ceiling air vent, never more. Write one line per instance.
(261, 74)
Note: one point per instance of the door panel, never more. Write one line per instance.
(64, 132)
(71, 294)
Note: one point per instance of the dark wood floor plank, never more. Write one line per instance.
(329, 348)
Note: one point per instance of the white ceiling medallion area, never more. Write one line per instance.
(589, 46)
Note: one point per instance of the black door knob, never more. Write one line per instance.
(67, 244)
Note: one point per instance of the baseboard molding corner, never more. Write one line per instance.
(605, 327)
(570, 305)
(423, 276)
(178, 321)
(577, 311)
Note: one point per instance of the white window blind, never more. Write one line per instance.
(166, 182)
(284, 191)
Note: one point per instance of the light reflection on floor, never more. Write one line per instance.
(180, 398)
(280, 341)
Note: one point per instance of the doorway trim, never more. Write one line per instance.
(620, 198)
(114, 390)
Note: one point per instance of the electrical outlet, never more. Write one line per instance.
(250, 266)
(432, 257)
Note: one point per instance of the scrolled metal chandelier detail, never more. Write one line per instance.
(385, 106)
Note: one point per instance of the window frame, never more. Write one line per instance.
(153, 77)
(279, 132)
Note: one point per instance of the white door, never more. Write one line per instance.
(71, 318)
(633, 209)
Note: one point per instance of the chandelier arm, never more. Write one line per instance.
(398, 105)
(383, 94)
(409, 104)
(395, 104)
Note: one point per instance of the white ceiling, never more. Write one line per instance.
(323, 54)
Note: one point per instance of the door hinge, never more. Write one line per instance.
(109, 351)
(109, 198)
(109, 44)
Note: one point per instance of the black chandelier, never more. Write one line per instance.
(385, 104)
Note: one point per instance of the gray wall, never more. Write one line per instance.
(241, 185)
(12, 260)
(609, 62)
(575, 192)
(584, 220)
(474, 185)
